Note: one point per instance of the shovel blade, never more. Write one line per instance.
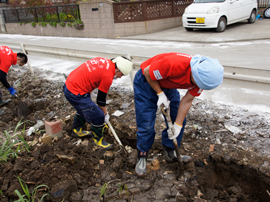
(22, 109)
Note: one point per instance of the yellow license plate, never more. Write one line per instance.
(200, 20)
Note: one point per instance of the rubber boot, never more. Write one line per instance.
(97, 133)
(140, 168)
(2, 102)
(77, 131)
(171, 156)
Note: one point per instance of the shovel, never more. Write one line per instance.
(170, 134)
(22, 108)
(116, 137)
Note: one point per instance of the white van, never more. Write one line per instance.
(218, 13)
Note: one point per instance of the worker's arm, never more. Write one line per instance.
(162, 98)
(183, 108)
(3, 79)
(104, 109)
(101, 101)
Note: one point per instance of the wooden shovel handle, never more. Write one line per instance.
(169, 121)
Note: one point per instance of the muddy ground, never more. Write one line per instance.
(229, 147)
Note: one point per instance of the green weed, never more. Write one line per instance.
(103, 190)
(27, 196)
(121, 188)
(2, 194)
(8, 149)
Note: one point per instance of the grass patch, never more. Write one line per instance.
(27, 196)
(12, 145)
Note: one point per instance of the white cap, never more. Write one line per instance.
(124, 65)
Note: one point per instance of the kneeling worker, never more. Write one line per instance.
(98, 73)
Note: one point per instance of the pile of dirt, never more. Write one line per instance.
(229, 147)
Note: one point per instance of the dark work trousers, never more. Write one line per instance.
(146, 107)
(85, 107)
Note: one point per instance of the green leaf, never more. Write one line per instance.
(21, 197)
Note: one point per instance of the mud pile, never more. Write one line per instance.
(229, 147)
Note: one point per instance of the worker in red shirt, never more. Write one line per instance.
(98, 73)
(8, 58)
(156, 83)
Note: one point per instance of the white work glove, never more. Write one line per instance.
(93, 94)
(177, 130)
(162, 99)
(107, 117)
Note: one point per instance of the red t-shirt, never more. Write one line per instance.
(95, 73)
(173, 71)
(7, 58)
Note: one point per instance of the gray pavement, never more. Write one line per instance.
(241, 31)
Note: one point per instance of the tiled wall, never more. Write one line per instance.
(98, 19)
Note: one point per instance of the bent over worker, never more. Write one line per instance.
(98, 73)
(8, 58)
(156, 83)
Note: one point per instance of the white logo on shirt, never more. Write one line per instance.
(157, 75)
(88, 67)
(94, 63)
(5, 50)
(184, 55)
(200, 91)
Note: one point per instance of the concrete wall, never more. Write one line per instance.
(98, 19)
(2, 21)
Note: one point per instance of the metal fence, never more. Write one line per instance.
(148, 10)
(263, 3)
(66, 13)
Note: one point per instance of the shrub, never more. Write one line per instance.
(62, 16)
(48, 17)
(78, 24)
(54, 24)
(63, 24)
(54, 17)
(34, 24)
(70, 18)
(44, 24)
